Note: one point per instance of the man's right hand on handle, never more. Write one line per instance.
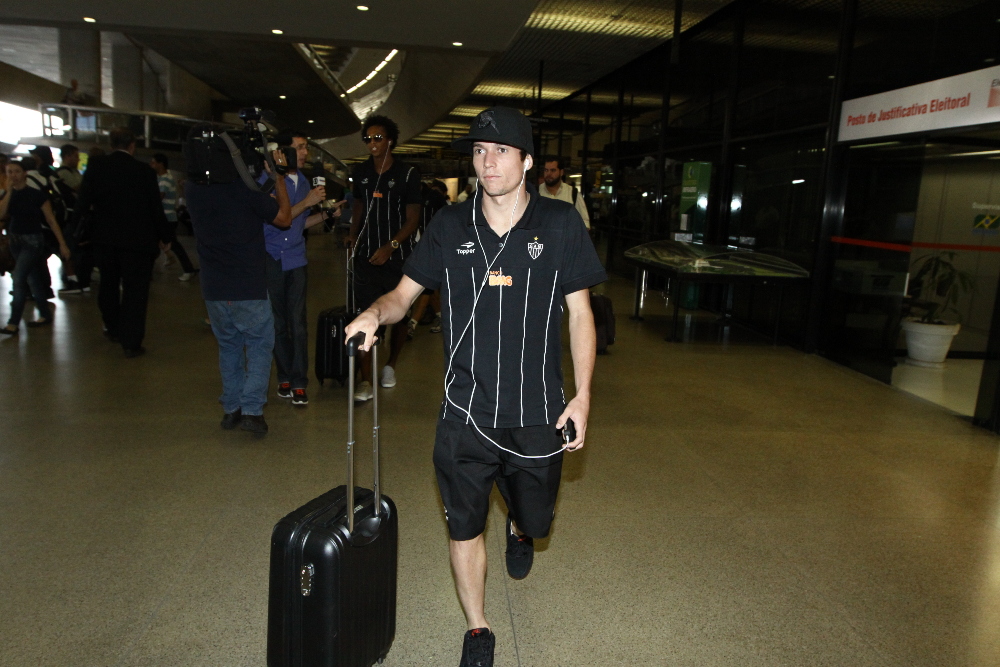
(366, 322)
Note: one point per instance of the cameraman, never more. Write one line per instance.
(227, 221)
(286, 274)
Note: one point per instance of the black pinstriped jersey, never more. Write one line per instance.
(507, 367)
(383, 198)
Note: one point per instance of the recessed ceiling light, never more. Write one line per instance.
(343, 95)
(278, 32)
(281, 97)
(89, 20)
(456, 43)
(310, 121)
(362, 8)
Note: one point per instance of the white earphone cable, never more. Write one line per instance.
(354, 250)
(475, 302)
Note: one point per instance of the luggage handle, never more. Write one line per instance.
(354, 344)
(348, 301)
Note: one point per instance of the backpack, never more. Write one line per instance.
(61, 196)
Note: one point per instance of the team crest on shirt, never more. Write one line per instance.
(535, 248)
(392, 183)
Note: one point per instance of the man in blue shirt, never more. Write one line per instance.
(286, 275)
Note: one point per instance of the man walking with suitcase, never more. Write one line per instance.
(504, 260)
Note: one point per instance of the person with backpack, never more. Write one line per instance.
(75, 233)
(62, 199)
(555, 188)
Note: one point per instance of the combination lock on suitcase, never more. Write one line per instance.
(332, 597)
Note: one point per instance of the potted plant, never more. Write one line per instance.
(935, 288)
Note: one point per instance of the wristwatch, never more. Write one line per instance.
(394, 243)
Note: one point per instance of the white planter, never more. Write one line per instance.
(927, 344)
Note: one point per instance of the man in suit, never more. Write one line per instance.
(128, 225)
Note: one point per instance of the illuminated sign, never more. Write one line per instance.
(972, 98)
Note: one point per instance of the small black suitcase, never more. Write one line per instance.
(331, 353)
(604, 321)
(332, 597)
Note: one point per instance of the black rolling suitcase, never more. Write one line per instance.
(332, 598)
(604, 321)
(331, 353)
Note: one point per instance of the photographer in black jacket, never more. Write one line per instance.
(229, 221)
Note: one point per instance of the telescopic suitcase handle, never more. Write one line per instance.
(354, 344)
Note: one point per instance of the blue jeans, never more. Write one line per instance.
(245, 331)
(287, 292)
(30, 251)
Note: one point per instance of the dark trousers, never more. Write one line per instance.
(182, 256)
(287, 292)
(179, 250)
(82, 257)
(83, 263)
(124, 312)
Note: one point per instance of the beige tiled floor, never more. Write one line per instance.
(736, 504)
(956, 386)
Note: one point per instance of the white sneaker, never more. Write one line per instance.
(364, 392)
(411, 328)
(436, 324)
(388, 377)
(184, 277)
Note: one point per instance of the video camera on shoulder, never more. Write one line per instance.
(218, 156)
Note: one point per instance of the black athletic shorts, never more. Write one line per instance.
(372, 282)
(467, 465)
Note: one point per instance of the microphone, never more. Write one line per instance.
(318, 174)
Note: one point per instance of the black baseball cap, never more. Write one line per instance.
(498, 125)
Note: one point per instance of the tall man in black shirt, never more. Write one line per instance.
(386, 215)
(504, 260)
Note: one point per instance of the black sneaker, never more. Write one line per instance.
(520, 553)
(477, 649)
(254, 423)
(299, 397)
(284, 390)
(232, 420)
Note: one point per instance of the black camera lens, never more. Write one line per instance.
(250, 113)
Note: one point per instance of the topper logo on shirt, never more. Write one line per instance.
(535, 248)
(498, 278)
(365, 181)
(467, 248)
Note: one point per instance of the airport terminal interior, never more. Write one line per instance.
(778, 470)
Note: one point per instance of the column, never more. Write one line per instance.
(80, 60)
